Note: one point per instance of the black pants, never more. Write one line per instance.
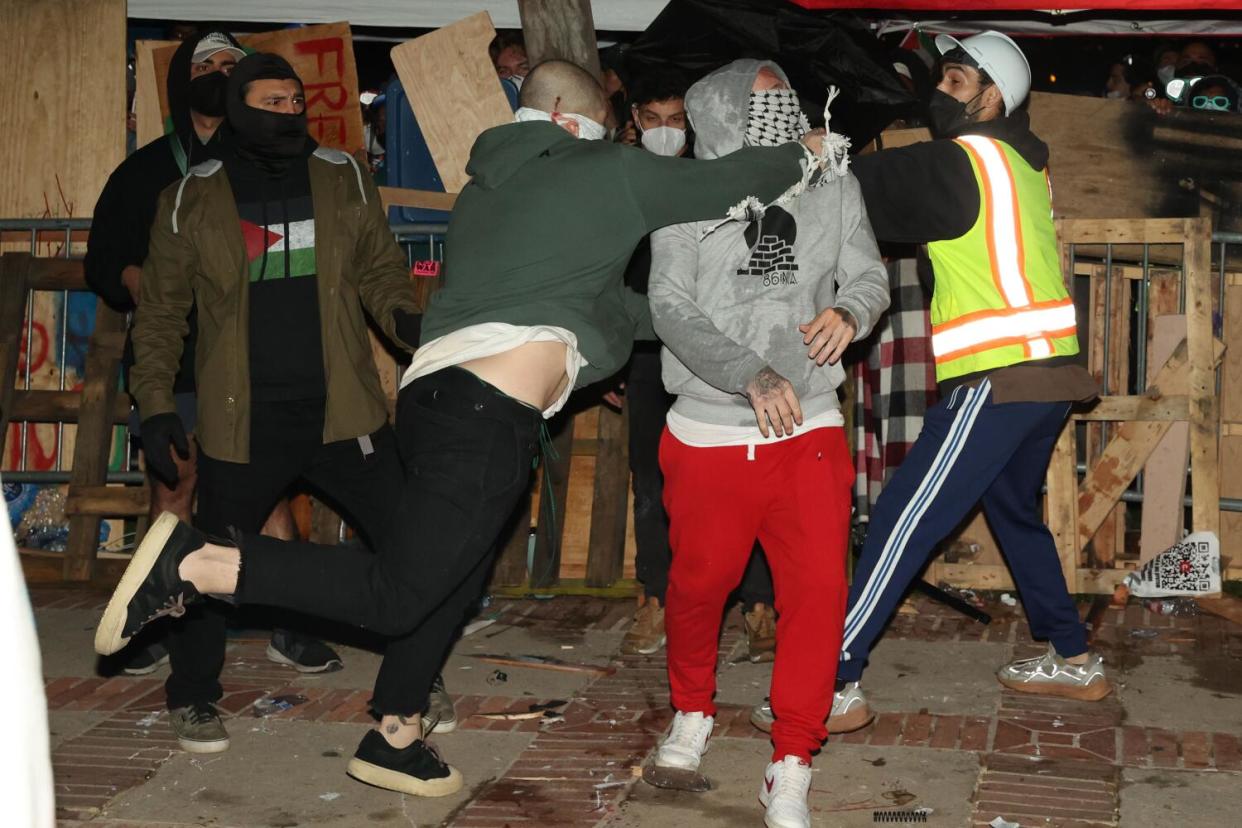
(649, 404)
(468, 452)
(286, 444)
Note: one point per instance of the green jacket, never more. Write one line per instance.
(542, 233)
(197, 254)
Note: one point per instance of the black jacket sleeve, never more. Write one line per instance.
(917, 194)
(121, 227)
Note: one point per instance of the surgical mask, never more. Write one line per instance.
(774, 117)
(1166, 73)
(664, 140)
(517, 81)
(947, 115)
(588, 130)
(208, 94)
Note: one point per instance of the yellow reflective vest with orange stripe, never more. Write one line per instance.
(999, 297)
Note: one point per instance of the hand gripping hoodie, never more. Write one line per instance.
(728, 305)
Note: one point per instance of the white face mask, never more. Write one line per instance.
(1166, 73)
(517, 81)
(664, 140)
(588, 130)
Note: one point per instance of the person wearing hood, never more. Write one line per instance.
(755, 316)
(658, 123)
(120, 232)
(532, 307)
(1005, 342)
(281, 244)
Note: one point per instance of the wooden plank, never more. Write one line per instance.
(423, 199)
(1231, 424)
(1164, 474)
(608, 509)
(13, 270)
(1204, 406)
(39, 567)
(59, 406)
(554, 492)
(56, 273)
(108, 501)
(561, 29)
(62, 105)
(1062, 503)
(1109, 362)
(1137, 408)
(1225, 606)
(1121, 231)
(100, 388)
(453, 90)
(147, 112)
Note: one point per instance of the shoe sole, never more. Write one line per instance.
(647, 650)
(440, 727)
(847, 723)
(193, 746)
(1094, 691)
(108, 637)
(402, 782)
(145, 671)
(277, 657)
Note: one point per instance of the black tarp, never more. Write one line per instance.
(815, 49)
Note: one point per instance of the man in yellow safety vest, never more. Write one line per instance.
(1005, 345)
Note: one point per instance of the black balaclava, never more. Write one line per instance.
(269, 140)
(181, 98)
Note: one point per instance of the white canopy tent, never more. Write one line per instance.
(610, 15)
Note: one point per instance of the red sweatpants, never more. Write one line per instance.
(794, 496)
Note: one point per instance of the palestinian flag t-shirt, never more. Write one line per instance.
(278, 227)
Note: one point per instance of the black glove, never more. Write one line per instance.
(160, 434)
(409, 327)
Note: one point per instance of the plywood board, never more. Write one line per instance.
(453, 90)
(323, 57)
(1231, 412)
(147, 90)
(62, 105)
(1164, 475)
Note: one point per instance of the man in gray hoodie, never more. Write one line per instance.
(754, 315)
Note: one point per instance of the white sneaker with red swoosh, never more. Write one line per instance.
(783, 794)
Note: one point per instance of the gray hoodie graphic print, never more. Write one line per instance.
(728, 305)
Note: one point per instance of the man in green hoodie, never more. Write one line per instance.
(533, 306)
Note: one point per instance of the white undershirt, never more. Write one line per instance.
(489, 339)
(709, 435)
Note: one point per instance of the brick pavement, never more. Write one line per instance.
(1048, 760)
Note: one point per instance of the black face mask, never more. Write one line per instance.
(947, 116)
(270, 139)
(207, 94)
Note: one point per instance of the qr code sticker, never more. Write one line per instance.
(1191, 567)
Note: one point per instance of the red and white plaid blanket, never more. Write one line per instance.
(895, 384)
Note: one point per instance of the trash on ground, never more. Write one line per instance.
(1191, 567)
(330, 796)
(676, 779)
(538, 662)
(475, 626)
(1001, 822)
(271, 705)
(1008, 600)
(497, 677)
(548, 711)
(1143, 632)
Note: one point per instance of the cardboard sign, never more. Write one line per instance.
(323, 57)
(453, 90)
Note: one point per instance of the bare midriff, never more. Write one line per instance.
(533, 373)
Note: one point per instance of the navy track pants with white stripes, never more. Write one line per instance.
(970, 450)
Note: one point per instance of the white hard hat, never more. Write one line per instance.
(1001, 58)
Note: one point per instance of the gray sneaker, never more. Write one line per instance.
(199, 728)
(850, 712)
(441, 717)
(1051, 675)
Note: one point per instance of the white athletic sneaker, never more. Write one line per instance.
(783, 794)
(686, 742)
(850, 712)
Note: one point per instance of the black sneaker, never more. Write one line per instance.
(151, 587)
(199, 728)
(302, 653)
(146, 661)
(416, 769)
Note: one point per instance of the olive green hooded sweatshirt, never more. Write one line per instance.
(542, 233)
